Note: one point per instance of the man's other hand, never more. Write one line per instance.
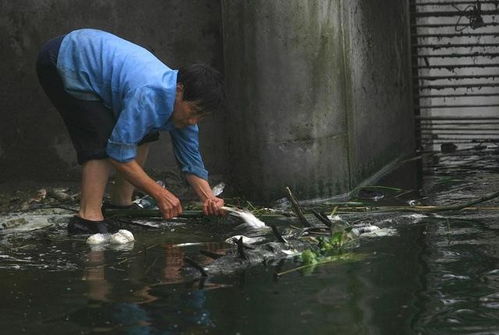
(168, 204)
(213, 206)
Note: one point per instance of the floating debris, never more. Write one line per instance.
(61, 194)
(365, 229)
(218, 189)
(366, 194)
(39, 196)
(380, 232)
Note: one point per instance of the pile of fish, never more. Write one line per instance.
(248, 252)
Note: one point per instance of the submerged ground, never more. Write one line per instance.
(438, 274)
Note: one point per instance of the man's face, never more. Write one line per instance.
(185, 113)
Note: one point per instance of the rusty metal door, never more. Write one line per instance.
(455, 51)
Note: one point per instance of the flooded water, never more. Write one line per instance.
(439, 274)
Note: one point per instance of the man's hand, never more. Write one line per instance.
(213, 206)
(168, 204)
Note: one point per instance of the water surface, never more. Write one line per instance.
(438, 275)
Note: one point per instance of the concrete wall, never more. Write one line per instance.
(285, 84)
(381, 114)
(33, 141)
(319, 93)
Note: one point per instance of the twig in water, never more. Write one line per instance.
(150, 266)
(196, 266)
(322, 218)
(428, 209)
(240, 248)
(468, 204)
(277, 234)
(334, 211)
(404, 193)
(297, 208)
(396, 189)
(330, 259)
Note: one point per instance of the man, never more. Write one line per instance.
(114, 97)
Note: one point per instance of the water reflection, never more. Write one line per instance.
(462, 282)
(170, 305)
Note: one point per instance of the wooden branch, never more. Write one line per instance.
(297, 208)
(195, 265)
(322, 218)
(467, 204)
(427, 209)
(277, 234)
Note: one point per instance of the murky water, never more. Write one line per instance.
(438, 275)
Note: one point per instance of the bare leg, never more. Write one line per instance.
(95, 174)
(122, 191)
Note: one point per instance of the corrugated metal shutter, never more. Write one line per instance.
(455, 46)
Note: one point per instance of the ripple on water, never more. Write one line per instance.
(457, 231)
(464, 242)
(451, 301)
(490, 301)
(450, 276)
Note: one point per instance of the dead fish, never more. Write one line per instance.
(259, 254)
(39, 196)
(365, 194)
(246, 240)
(60, 194)
(249, 219)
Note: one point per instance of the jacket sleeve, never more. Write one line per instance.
(186, 148)
(136, 119)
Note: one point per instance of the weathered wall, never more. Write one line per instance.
(319, 93)
(381, 126)
(33, 141)
(319, 96)
(285, 86)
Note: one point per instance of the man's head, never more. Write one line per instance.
(199, 92)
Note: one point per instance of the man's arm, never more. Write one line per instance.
(211, 204)
(167, 202)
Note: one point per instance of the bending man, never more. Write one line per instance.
(115, 97)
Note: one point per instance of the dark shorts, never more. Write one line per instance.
(89, 123)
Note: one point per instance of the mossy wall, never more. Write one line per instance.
(319, 93)
(381, 115)
(285, 73)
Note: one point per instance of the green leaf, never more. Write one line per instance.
(308, 257)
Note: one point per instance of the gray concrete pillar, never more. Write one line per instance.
(285, 75)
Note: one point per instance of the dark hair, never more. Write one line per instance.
(203, 85)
